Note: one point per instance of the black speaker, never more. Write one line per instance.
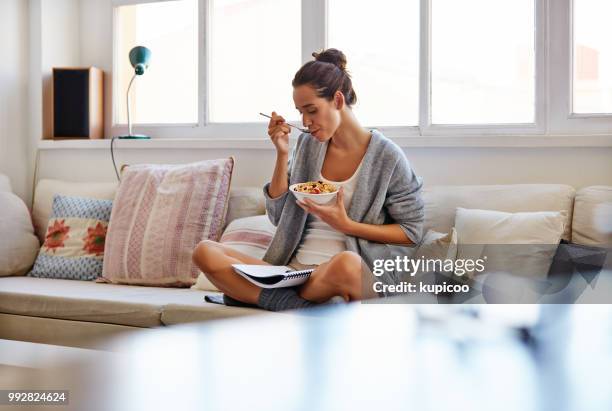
(78, 103)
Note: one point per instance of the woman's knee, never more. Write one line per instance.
(203, 253)
(344, 269)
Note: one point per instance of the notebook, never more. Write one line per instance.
(272, 276)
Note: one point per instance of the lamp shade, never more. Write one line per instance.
(139, 58)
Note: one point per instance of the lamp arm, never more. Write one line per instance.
(127, 98)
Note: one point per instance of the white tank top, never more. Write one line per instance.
(320, 241)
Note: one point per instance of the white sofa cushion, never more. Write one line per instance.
(18, 244)
(46, 189)
(106, 303)
(441, 202)
(592, 222)
(60, 332)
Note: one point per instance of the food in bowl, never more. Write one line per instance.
(315, 187)
(316, 191)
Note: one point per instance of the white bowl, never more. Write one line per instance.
(324, 198)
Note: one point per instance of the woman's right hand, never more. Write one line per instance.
(278, 130)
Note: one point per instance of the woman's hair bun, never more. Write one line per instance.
(325, 78)
(334, 56)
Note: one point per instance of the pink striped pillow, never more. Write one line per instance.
(250, 235)
(160, 213)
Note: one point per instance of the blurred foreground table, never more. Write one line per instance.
(357, 357)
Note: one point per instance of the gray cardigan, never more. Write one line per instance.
(387, 192)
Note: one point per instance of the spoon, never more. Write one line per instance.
(303, 130)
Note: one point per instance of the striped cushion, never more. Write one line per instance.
(160, 213)
(250, 235)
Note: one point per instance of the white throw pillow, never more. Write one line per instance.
(517, 243)
(592, 223)
(18, 244)
(249, 235)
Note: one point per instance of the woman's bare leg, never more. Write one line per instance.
(215, 260)
(342, 275)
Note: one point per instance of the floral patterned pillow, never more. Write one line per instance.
(74, 240)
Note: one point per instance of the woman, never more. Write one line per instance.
(378, 203)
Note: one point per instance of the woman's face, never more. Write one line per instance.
(322, 117)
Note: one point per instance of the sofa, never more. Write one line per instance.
(81, 313)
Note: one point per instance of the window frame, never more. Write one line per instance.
(537, 127)
(553, 122)
(167, 129)
(562, 118)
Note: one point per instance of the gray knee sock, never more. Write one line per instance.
(227, 300)
(280, 299)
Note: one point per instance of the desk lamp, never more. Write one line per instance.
(139, 58)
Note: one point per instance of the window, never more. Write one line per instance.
(431, 68)
(383, 59)
(483, 67)
(167, 93)
(255, 51)
(592, 62)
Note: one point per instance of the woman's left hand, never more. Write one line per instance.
(334, 214)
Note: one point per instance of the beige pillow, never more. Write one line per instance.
(46, 189)
(245, 202)
(18, 244)
(517, 243)
(592, 223)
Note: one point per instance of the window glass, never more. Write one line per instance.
(381, 44)
(168, 90)
(483, 67)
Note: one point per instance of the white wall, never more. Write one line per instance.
(14, 133)
(577, 167)
(52, 40)
(60, 47)
(96, 48)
